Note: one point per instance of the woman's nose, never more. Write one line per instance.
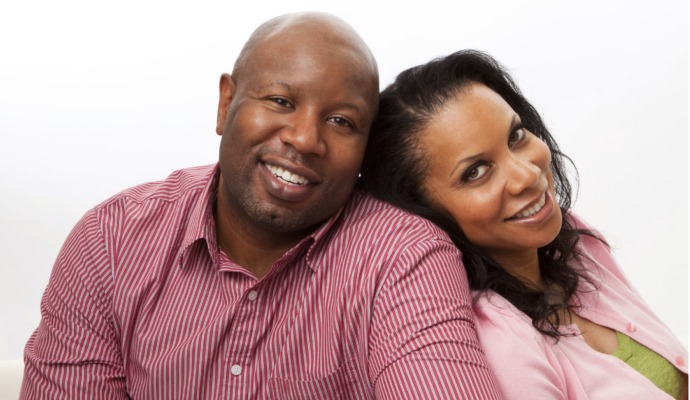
(523, 174)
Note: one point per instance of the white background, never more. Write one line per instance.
(99, 96)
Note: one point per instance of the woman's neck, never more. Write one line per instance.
(522, 265)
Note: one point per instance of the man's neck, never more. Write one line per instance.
(255, 255)
(253, 248)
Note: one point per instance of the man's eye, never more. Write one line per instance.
(281, 102)
(341, 121)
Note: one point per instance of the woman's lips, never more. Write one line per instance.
(536, 211)
(533, 209)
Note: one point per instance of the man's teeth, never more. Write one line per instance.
(286, 175)
(534, 209)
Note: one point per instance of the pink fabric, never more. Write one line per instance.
(142, 304)
(529, 365)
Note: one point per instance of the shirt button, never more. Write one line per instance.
(680, 361)
(252, 295)
(631, 327)
(236, 370)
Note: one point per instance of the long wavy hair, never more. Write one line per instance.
(395, 167)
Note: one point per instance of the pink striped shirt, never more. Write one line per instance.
(142, 304)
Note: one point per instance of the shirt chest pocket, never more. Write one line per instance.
(343, 383)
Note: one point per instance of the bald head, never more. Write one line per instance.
(320, 31)
(294, 117)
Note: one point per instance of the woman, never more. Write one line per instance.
(456, 142)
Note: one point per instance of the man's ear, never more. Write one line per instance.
(227, 90)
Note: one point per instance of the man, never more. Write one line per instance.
(263, 276)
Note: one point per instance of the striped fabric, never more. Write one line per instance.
(141, 304)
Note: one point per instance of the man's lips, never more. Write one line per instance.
(291, 183)
(289, 170)
(286, 175)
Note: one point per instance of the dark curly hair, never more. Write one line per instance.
(394, 169)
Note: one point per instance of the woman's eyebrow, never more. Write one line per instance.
(466, 160)
(515, 122)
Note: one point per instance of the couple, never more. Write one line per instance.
(271, 275)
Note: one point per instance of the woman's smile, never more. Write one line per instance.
(491, 174)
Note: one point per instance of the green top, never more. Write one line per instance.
(650, 364)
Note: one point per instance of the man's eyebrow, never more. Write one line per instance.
(282, 84)
(354, 106)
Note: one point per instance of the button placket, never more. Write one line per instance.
(252, 295)
(245, 313)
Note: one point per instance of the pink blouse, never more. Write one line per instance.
(529, 365)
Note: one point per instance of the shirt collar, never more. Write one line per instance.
(201, 226)
(318, 236)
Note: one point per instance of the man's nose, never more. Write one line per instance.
(305, 134)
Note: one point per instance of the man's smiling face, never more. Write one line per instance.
(294, 130)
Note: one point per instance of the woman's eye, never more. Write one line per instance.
(516, 136)
(475, 172)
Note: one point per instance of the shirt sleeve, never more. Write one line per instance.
(423, 344)
(524, 365)
(74, 353)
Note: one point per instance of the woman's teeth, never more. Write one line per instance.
(286, 175)
(534, 209)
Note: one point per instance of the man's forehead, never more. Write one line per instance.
(319, 43)
(309, 36)
(287, 53)
(305, 22)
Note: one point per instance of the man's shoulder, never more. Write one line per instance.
(177, 199)
(179, 184)
(364, 211)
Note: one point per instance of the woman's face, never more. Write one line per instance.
(491, 175)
